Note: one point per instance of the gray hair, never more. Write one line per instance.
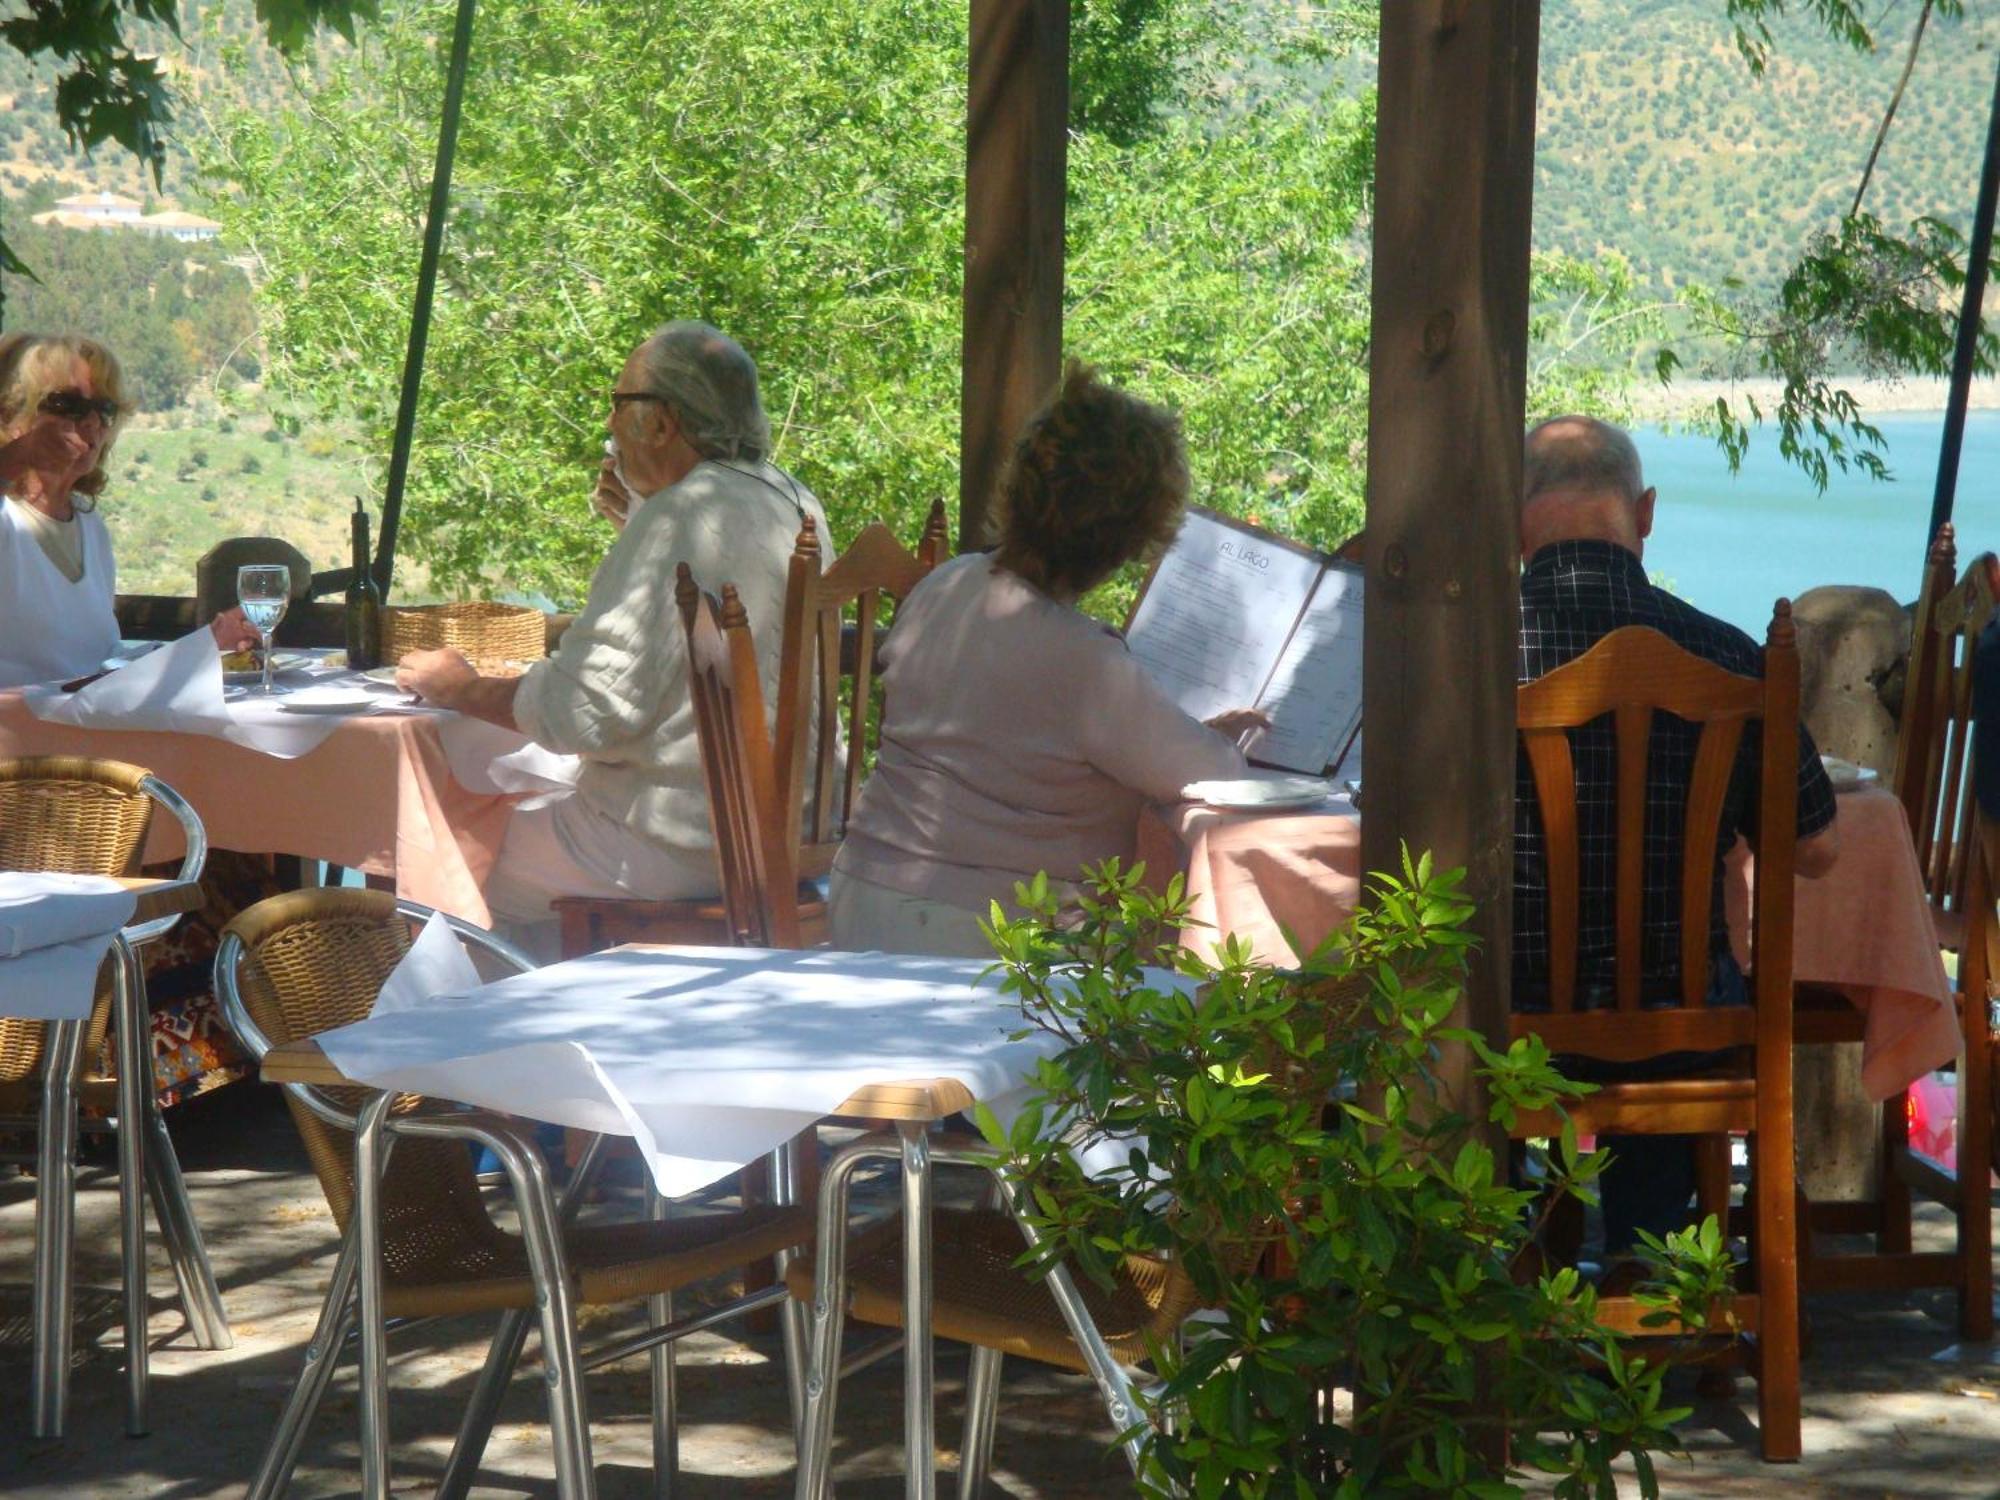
(710, 386)
(1590, 455)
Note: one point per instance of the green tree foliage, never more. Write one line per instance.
(793, 172)
(1283, 1136)
(174, 314)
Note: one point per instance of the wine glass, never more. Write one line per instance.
(264, 589)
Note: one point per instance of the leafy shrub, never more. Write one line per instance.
(1287, 1139)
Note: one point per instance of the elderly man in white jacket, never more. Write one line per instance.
(689, 480)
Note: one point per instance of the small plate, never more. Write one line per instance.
(1265, 794)
(328, 700)
(1845, 775)
(385, 676)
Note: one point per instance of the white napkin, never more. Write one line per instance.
(437, 964)
(180, 689)
(54, 933)
(486, 758)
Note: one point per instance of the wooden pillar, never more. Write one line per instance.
(1015, 165)
(1454, 179)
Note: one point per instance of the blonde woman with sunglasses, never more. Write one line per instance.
(62, 404)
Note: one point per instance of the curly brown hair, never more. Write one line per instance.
(1099, 478)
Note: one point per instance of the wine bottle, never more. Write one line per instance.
(364, 603)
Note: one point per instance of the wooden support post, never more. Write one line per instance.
(1454, 179)
(1015, 163)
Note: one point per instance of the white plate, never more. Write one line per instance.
(386, 676)
(328, 700)
(1845, 775)
(1269, 793)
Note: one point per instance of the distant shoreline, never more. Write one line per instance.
(1654, 403)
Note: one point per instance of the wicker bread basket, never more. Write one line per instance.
(496, 637)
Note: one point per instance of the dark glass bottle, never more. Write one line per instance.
(364, 603)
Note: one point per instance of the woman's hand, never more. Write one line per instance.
(610, 499)
(441, 676)
(1236, 723)
(232, 632)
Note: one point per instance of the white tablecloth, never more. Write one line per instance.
(709, 1058)
(54, 933)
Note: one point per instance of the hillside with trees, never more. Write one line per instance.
(791, 169)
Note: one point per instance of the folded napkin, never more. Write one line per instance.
(54, 933)
(436, 964)
(486, 758)
(180, 689)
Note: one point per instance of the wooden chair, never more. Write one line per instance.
(307, 961)
(822, 729)
(1932, 779)
(1632, 674)
(215, 571)
(73, 815)
(820, 651)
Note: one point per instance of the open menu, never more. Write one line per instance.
(1234, 617)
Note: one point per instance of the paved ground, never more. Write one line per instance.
(1885, 1415)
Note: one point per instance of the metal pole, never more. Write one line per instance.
(1967, 348)
(420, 316)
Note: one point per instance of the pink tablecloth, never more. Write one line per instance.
(1864, 928)
(378, 796)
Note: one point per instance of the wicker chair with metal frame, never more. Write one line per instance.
(305, 962)
(78, 816)
(979, 1295)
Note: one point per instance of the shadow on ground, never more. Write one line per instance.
(1885, 1417)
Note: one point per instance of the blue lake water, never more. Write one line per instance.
(1732, 543)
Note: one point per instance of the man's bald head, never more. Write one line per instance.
(1580, 479)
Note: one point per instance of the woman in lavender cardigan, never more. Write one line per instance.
(1019, 734)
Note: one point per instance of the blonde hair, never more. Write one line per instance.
(34, 366)
(1099, 478)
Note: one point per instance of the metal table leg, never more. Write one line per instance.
(55, 1229)
(829, 1314)
(369, 1155)
(919, 1373)
(135, 1078)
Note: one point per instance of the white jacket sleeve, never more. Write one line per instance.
(623, 659)
(1139, 737)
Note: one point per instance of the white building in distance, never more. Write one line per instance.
(114, 211)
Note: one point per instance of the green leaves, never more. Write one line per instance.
(1284, 1141)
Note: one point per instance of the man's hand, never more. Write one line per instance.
(442, 676)
(610, 499)
(232, 632)
(1236, 723)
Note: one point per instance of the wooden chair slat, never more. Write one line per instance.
(1634, 728)
(1555, 793)
(1715, 758)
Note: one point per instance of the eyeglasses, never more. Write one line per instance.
(619, 398)
(74, 406)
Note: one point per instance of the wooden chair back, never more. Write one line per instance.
(215, 571)
(822, 731)
(1933, 776)
(756, 848)
(1630, 675)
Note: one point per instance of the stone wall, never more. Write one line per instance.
(1854, 649)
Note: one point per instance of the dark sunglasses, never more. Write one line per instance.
(74, 406)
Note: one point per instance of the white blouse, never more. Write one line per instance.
(50, 628)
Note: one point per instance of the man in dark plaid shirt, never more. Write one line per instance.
(1585, 516)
